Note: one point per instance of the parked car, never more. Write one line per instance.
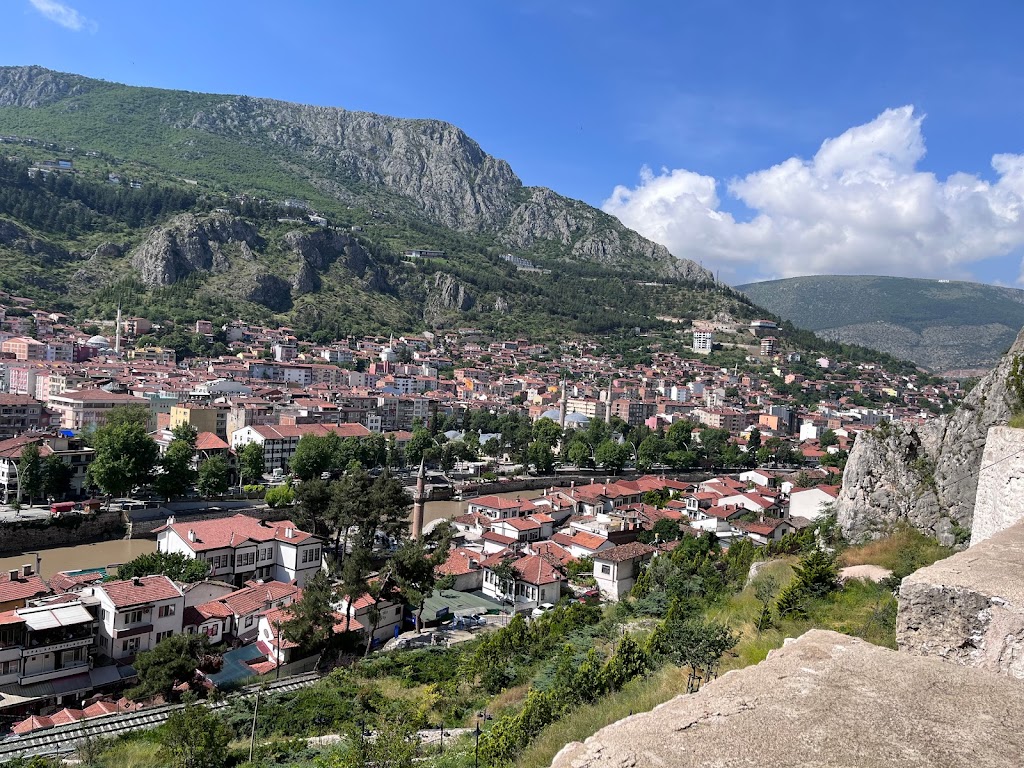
(541, 609)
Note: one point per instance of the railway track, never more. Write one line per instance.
(64, 739)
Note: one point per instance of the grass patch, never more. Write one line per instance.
(639, 695)
(902, 552)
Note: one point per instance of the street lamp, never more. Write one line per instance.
(476, 753)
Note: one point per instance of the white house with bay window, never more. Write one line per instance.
(242, 548)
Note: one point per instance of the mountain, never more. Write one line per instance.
(941, 325)
(927, 475)
(226, 184)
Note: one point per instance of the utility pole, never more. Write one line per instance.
(255, 712)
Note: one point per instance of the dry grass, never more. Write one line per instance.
(904, 550)
(640, 695)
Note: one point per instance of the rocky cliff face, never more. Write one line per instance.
(425, 169)
(591, 235)
(926, 476)
(34, 86)
(187, 244)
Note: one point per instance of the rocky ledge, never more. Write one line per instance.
(824, 699)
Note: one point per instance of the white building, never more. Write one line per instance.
(279, 441)
(45, 643)
(811, 503)
(616, 569)
(242, 548)
(136, 614)
(703, 341)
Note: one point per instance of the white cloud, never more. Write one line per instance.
(858, 206)
(64, 15)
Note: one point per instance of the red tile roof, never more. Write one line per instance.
(631, 551)
(233, 531)
(149, 589)
(254, 597)
(65, 582)
(21, 588)
(460, 561)
(207, 441)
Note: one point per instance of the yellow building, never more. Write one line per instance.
(204, 418)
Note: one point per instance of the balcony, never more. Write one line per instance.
(73, 668)
(54, 642)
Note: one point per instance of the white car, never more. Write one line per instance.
(541, 609)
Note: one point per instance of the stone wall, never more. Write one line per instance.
(969, 608)
(66, 531)
(1000, 500)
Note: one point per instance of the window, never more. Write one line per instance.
(165, 610)
(211, 630)
(9, 667)
(133, 617)
(131, 644)
(248, 621)
(164, 635)
(605, 569)
(305, 555)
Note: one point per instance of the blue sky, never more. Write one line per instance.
(704, 124)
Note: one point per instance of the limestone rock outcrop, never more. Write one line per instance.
(445, 295)
(188, 243)
(824, 699)
(969, 608)
(927, 475)
(1000, 499)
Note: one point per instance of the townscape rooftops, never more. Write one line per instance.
(234, 531)
(146, 589)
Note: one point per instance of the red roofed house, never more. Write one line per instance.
(764, 530)
(252, 601)
(241, 548)
(389, 616)
(136, 614)
(464, 565)
(497, 508)
(616, 569)
(18, 586)
(537, 581)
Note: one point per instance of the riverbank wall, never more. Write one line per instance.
(18, 536)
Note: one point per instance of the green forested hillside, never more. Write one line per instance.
(942, 325)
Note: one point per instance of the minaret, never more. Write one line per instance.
(117, 330)
(561, 408)
(608, 407)
(417, 501)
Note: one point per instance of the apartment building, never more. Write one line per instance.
(88, 408)
(71, 450)
(280, 441)
(46, 643)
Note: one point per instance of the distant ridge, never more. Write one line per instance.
(945, 326)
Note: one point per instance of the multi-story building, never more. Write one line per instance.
(205, 418)
(724, 418)
(242, 548)
(21, 413)
(280, 441)
(71, 450)
(158, 355)
(46, 643)
(136, 614)
(703, 341)
(24, 348)
(88, 408)
(633, 412)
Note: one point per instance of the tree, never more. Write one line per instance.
(56, 477)
(611, 456)
(547, 431)
(172, 661)
(579, 454)
(419, 444)
(314, 499)
(311, 619)
(754, 441)
(314, 455)
(506, 575)
(828, 437)
(389, 506)
(765, 590)
(348, 501)
(667, 529)
(128, 414)
(280, 496)
(30, 472)
(174, 565)
(176, 475)
(186, 433)
(251, 463)
(213, 476)
(416, 564)
(690, 641)
(194, 737)
(652, 450)
(539, 454)
(125, 456)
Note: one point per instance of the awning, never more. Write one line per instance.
(104, 675)
(61, 616)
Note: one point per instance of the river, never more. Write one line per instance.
(105, 553)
